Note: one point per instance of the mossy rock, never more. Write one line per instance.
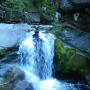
(56, 31)
(5, 52)
(2, 53)
(67, 60)
(11, 77)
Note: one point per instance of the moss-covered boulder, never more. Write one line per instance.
(56, 30)
(9, 55)
(69, 61)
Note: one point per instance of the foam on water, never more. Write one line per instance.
(36, 60)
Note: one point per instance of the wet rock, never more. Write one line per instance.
(9, 58)
(77, 40)
(23, 85)
(12, 34)
(71, 54)
(45, 19)
(5, 76)
(4, 69)
(68, 62)
(10, 75)
(11, 70)
(82, 87)
(32, 17)
(87, 77)
(9, 55)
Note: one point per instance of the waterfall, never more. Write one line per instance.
(36, 60)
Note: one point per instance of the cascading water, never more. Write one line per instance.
(36, 60)
(37, 54)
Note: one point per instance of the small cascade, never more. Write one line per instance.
(36, 60)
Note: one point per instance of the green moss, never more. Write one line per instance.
(49, 9)
(56, 31)
(67, 60)
(7, 51)
(77, 64)
(2, 53)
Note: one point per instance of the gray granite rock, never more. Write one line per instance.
(23, 85)
(12, 34)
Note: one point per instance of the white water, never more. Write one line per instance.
(36, 60)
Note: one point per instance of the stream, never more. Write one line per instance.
(36, 60)
(33, 69)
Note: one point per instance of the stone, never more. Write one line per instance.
(12, 34)
(4, 69)
(9, 71)
(9, 76)
(72, 54)
(66, 5)
(32, 17)
(80, 2)
(23, 85)
(77, 40)
(68, 61)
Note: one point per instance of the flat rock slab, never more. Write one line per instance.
(12, 34)
(77, 40)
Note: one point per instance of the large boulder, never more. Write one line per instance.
(69, 61)
(72, 60)
(10, 76)
(12, 34)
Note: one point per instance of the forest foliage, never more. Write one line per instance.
(19, 5)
